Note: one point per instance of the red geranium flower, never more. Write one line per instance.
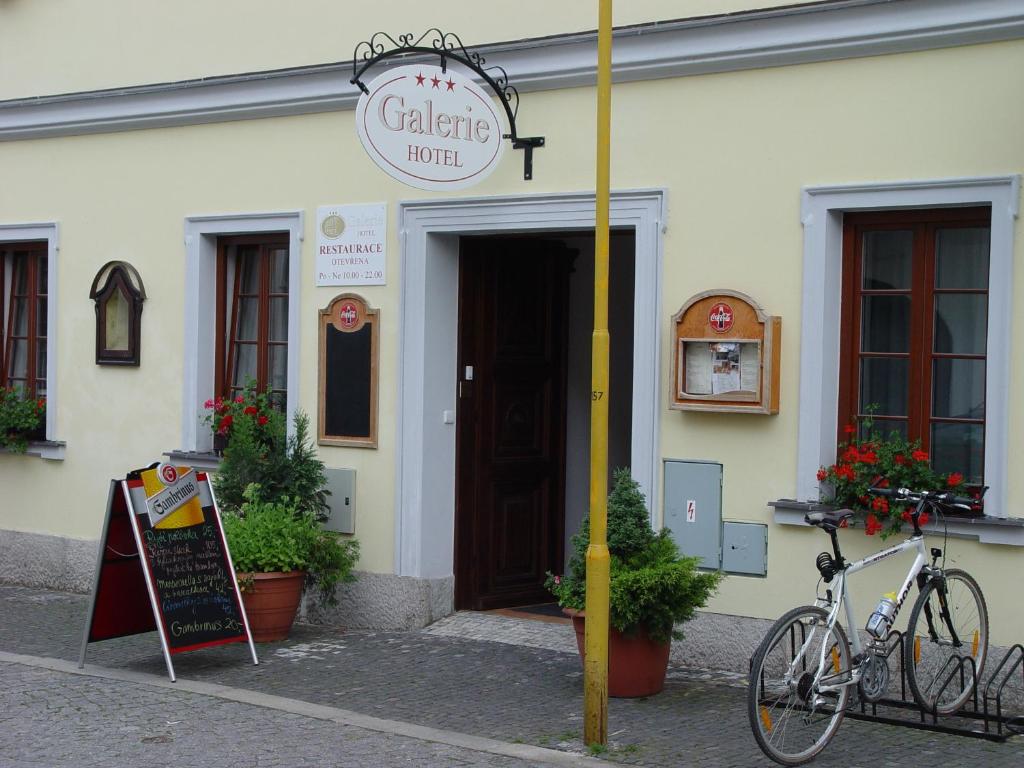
(849, 429)
(262, 420)
(225, 423)
(954, 479)
(922, 519)
(871, 525)
(822, 474)
(869, 457)
(880, 504)
(250, 410)
(900, 459)
(919, 455)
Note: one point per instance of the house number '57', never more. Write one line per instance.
(596, 395)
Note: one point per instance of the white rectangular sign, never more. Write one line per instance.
(691, 511)
(351, 243)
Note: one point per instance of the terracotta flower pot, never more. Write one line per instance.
(271, 602)
(636, 664)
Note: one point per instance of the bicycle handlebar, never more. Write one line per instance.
(940, 497)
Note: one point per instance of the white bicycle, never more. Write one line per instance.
(803, 673)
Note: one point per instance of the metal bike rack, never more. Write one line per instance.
(990, 722)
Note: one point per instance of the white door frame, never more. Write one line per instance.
(430, 230)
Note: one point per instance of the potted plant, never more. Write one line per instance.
(21, 419)
(865, 459)
(278, 549)
(272, 492)
(653, 589)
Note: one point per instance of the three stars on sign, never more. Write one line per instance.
(435, 82)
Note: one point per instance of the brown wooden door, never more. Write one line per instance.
(511, 437)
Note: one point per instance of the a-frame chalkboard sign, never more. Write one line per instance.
(164, 564)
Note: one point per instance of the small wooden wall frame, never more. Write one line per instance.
(725, 355)
(118, 293)
(349, 352)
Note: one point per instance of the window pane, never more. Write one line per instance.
(961, 258)
(279, 270)
(961, 322)
(20, 274)
(279, 319)
(17, 367)
(20, 325)
(278, 366)
(958, 388)
(887, 256)
(883, 383)
(41, 359)
(248, 317)
(885, 324)
(245, 364)
(885, 427)
(41, 316)
(249, 276)
(41, 264)
(958, 448)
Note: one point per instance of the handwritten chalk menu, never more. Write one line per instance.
(182, 565)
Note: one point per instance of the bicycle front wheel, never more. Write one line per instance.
(799, 686)
(948, 626)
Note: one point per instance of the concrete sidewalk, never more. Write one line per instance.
(474, 689)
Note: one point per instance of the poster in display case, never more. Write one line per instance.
(725, 355)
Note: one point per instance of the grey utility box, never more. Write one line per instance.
(342, 500)
(693, 508)
(745, 548)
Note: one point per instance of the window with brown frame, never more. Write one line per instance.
(914, 329)
(23, 271)
(252, 314)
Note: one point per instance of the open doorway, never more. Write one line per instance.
(524, 366)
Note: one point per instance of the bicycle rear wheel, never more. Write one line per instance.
(792, 718)
(938, 671)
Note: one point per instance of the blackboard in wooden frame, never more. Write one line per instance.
(348, 356)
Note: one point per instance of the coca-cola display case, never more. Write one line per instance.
(725, 355)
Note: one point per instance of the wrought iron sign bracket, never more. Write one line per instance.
(447, 45)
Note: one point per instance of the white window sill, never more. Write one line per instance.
(52, 450)
(986, 529)
(202, 460)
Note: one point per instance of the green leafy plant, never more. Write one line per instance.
(652, 585)
(258, 451)
(21, 418)
(866, 459)
(278, 535)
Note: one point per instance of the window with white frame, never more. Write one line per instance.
(825, 213)
(241, 312)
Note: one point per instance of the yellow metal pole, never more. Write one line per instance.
(595, 672)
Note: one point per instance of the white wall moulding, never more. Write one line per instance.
(752, 40)
(201, 233)
(430, 230)
(822, 212)
(48, 231)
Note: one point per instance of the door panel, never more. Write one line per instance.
(511, 435)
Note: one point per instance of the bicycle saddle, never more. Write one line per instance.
(828, 519)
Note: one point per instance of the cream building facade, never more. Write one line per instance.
(744, 135)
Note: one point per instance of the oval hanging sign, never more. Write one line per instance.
(430, 129)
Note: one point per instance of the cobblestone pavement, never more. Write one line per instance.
(55, 719)
(474, 674)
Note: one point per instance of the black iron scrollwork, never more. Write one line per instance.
(447, 45)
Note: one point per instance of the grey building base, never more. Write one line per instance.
(386, 601)
(52, 562)
(719, 641)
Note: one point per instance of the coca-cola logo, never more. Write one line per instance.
(721, 317)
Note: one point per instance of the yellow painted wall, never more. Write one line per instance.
(732, 150)
(62, 46)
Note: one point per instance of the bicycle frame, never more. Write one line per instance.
(833, 603)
